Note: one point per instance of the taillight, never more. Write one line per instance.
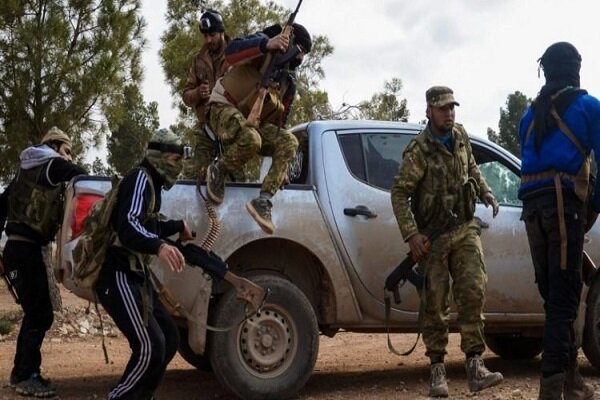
(83, 203)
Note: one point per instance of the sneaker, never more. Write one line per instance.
(438, 387)
(215, 183)
(479, 377)
(36, 386)
(260, 210)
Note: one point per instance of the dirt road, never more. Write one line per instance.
(350, 367)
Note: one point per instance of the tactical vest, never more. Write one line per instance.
(32, 204)
(241, 87)
(445, 192)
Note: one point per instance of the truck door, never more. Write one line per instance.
(359, 169)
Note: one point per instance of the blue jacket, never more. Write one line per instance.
(557, 151)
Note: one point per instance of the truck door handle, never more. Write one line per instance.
(360, 210)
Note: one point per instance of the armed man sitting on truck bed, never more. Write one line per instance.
(231, 102)
(436, 189)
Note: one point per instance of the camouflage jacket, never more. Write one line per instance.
(433, 184)
(204, 68)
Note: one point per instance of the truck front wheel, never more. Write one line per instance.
(272, 354)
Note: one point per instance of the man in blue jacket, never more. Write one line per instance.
(557, 134)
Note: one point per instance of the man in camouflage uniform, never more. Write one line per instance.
(208, 65)
(434, 194)
(231, 101)
(32, 206)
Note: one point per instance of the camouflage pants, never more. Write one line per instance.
(457, 254)
(204, 154)
(242, 142)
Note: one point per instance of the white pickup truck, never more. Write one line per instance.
(336, 242)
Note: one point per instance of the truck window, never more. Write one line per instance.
(374, 158)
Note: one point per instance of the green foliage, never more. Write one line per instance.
(510, 117)
(62, 64)
(182, 40)
(386, 105)
(131, 123)
(6, 326)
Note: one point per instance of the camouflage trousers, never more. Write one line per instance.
(206, 151)
(242, 142)
(458, 255)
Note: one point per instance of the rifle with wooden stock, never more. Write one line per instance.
(272, 59)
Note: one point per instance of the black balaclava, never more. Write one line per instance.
(561, 63)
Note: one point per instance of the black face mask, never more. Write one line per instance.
(290, 57)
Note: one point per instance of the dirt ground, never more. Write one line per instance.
(350, 366)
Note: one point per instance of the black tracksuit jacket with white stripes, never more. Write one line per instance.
(131, 210)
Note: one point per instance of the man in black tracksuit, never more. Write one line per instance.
(32, 207)
(123, 286)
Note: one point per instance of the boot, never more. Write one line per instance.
(575, 388)
(260, 210)
(551, 387)
(479, 376)
(438, 387)
(215, 183)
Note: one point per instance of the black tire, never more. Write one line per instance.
(201, 362)
(514, 347)
(591, 331)
(272, 355)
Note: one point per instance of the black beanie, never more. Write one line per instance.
(561, 63)
(211, 21)
(301, 35)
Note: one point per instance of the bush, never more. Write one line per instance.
(5, 327)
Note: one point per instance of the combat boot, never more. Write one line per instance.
(478, 376)
(215, 183)
(575, 388)
(438, 387)
(551, 388)
(260, 210)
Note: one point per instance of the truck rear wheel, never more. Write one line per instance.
(273, 353)
(591, 331)
(514, 347)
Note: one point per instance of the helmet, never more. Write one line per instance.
(211, 21)
(56, 135)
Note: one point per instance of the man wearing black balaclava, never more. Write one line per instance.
(232, 99)
(557, 134)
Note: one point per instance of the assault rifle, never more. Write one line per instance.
(270, 61)
(405, 271)
(245, 289)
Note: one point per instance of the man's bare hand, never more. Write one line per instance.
(278, 42)
(419, 246)
(186, 234)
(204, 90)
(171, 256)
(489, 200)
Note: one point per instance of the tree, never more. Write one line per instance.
(508, 133)
(131, 123)
(62, 64)
(386, 105)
